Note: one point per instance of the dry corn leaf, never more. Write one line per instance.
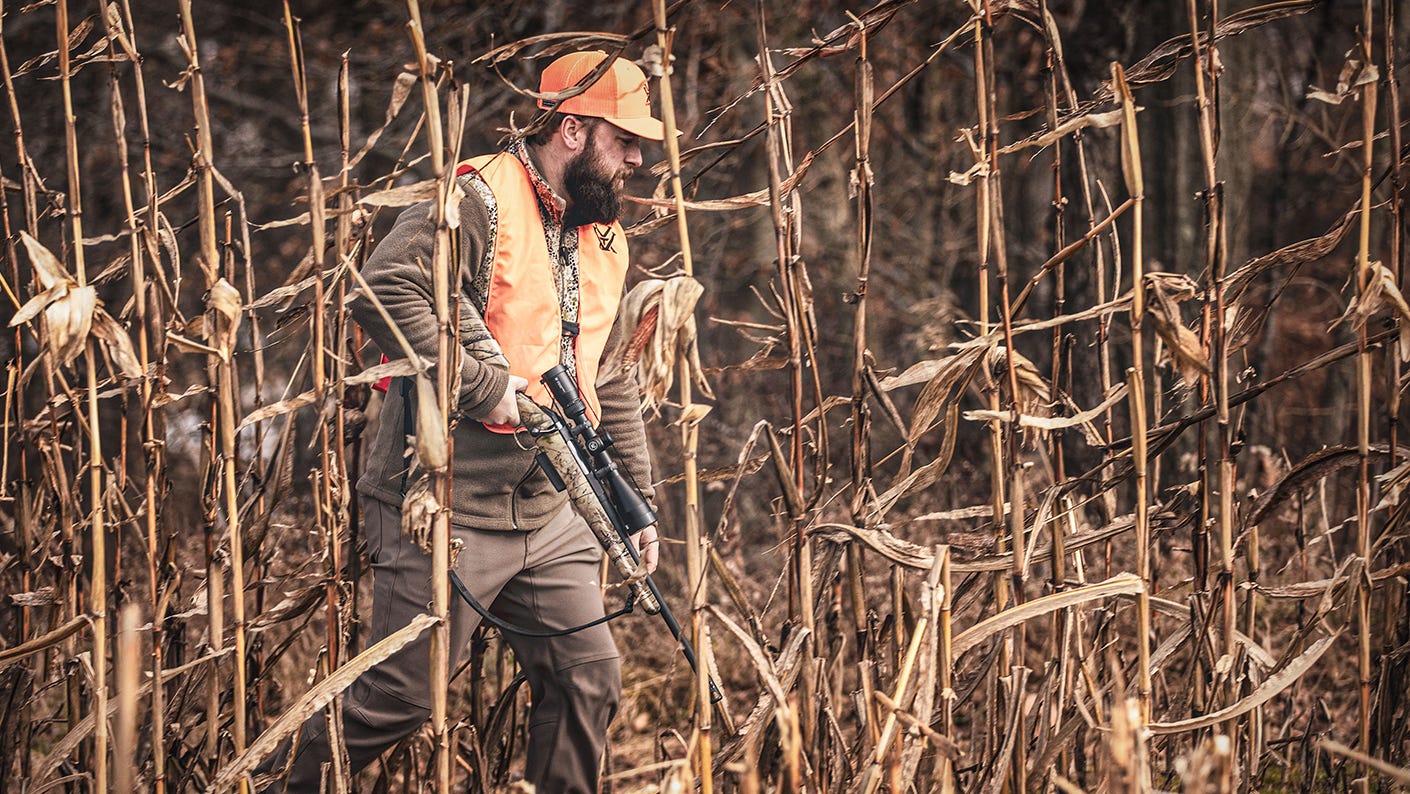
(418, 513)
(431, 439)
(1164, 293)
(74, 38)
(400, 368)
(1063, 129)
(401, 90)
(280, 293)
(1354, 74)
(1310, 589)
(163, 398)
(962, 513)
(692, 414)
(948, 378)
(924, 371)
(1029, 326)
(1130, 137)
(1033, 390)
(1381, 293)
(66, 746)
(1266, 692)
(783, 472)
(923, 477)
(68, 320)
(117, 32)
(976, 171)
(49, 639)
(451, 206)
(931, 600)
(294, 605)
(1392, 485)
(743, 742)
(1120, 584)
(316, 699)
(47, 267)
(748, 467)
(554, 43)
(224, 298)
(44, 596)
(189, 345)
(118, 344)
(302, 219)
(1314, 468)
(901, 552)
(662, 314)
(1398, 774)
(68, 308)
(267, 412)
(34, 306)
(763, 665)
(1051, 423)
(761, 361)
(1160, 63)
(757, 198)
(1291, 255)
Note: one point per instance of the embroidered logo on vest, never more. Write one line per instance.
(606, 238)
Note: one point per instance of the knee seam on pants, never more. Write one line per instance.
(409, 703)
(605, 700)
(595, 659)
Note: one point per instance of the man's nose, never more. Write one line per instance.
(633, 157)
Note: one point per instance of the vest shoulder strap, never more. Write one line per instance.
(478, 290)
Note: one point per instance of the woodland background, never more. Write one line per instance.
(1235, 612)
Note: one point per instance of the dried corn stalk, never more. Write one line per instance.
(662, 314)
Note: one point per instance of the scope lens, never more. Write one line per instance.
(564, 390)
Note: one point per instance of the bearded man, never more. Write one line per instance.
(542, 262)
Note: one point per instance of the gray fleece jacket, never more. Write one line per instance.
(497, 483)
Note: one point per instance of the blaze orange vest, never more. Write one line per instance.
(522, 308)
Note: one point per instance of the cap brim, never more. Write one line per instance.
(647, 127)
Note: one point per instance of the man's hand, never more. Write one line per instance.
(506, 411)
(648, 545)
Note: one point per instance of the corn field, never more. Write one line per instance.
(1024, 380)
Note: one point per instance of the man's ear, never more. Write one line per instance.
(573, 132)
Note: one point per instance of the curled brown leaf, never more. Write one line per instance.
(1165, 292)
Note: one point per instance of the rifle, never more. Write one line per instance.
(574, 455)
(625, 511)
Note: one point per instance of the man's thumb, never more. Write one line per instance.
(517, 383)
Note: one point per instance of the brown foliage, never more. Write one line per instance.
(1020, 581)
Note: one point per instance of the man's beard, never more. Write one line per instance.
(593, 196)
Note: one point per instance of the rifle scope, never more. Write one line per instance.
(565, 392)
(635, 513)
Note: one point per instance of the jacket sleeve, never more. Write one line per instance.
(620, 400)
(399, 275)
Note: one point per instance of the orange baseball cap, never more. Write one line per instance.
(620, 96)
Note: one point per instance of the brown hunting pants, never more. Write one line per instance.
(544, 579)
